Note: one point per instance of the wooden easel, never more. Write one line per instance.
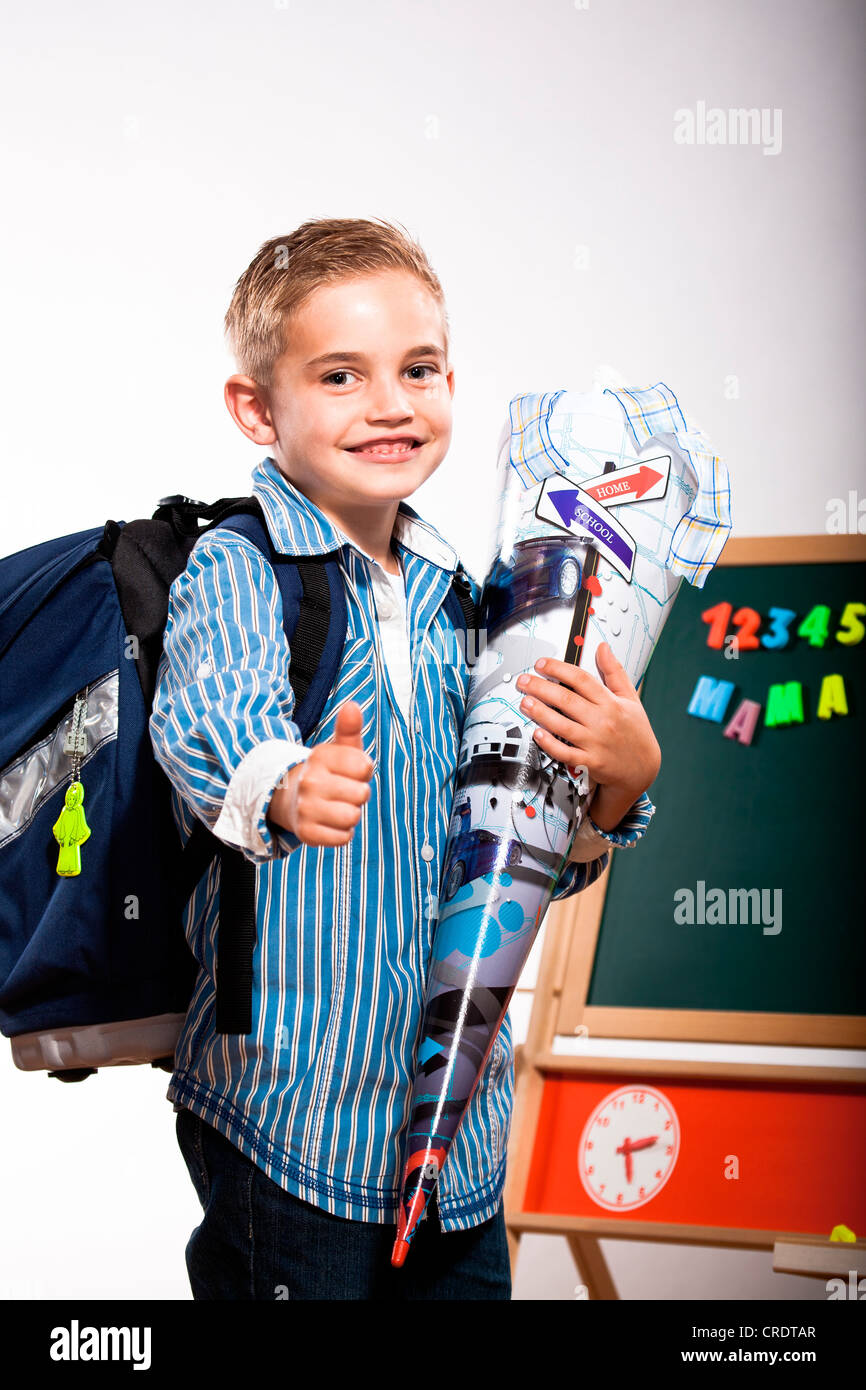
(570, 933)
(559, 1009)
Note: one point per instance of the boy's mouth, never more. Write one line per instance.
(397, 449)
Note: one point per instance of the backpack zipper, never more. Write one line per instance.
(75, 743)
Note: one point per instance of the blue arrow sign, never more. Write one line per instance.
(570, 508)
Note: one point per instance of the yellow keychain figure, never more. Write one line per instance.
(70, 831)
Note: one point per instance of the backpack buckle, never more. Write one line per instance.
(176, 500)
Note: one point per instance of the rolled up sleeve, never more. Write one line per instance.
(243, 819)
(591, 847)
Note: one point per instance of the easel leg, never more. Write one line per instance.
(592, 1267)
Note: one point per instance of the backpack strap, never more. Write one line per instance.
(461, 607)
(315, 618)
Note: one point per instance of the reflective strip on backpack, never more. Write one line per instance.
(35, 774)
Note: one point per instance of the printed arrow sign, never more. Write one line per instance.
(642, 482)
(565, 505)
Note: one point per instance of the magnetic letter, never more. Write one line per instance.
(742, 726)
(832, 698)
(710, 698)
(784, 705)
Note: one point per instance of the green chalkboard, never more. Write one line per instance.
(784, 813)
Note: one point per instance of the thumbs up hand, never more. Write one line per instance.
(347, 729)
(321, 799)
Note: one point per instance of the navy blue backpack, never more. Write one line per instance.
(95, 969)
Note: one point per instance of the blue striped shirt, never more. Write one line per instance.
(318, 1093)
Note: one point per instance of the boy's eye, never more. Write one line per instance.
(417, 367)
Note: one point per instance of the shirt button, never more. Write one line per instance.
(427, 851)
(418, 726)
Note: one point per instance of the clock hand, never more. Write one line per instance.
(636, 1144)
(625, 1148)
(630, 1146)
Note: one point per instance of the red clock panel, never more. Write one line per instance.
(764, 1156)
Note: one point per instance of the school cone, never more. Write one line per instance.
(458, 1022)
(566, 580)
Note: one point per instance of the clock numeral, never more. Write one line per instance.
(668, 1124)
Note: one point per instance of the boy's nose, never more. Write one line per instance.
(388, 404)
(388, 418)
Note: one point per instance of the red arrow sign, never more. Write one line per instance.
(630, 488)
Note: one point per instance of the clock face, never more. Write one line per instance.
(628, 1148)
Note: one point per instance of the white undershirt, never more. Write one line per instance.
(390, 595)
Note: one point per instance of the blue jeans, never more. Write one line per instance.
(257, 1241)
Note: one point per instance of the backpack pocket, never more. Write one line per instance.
(35, 775)
(50, 956)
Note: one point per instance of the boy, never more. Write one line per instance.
(293, 1132)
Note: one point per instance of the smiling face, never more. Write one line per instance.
(365, 366)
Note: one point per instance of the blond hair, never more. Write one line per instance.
(286, 270)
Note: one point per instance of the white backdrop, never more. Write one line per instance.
(542, 157)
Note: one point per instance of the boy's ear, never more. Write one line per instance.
(248, 407)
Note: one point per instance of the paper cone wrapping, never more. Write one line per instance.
(599, 519)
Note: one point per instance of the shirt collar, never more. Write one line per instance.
(299, 527)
